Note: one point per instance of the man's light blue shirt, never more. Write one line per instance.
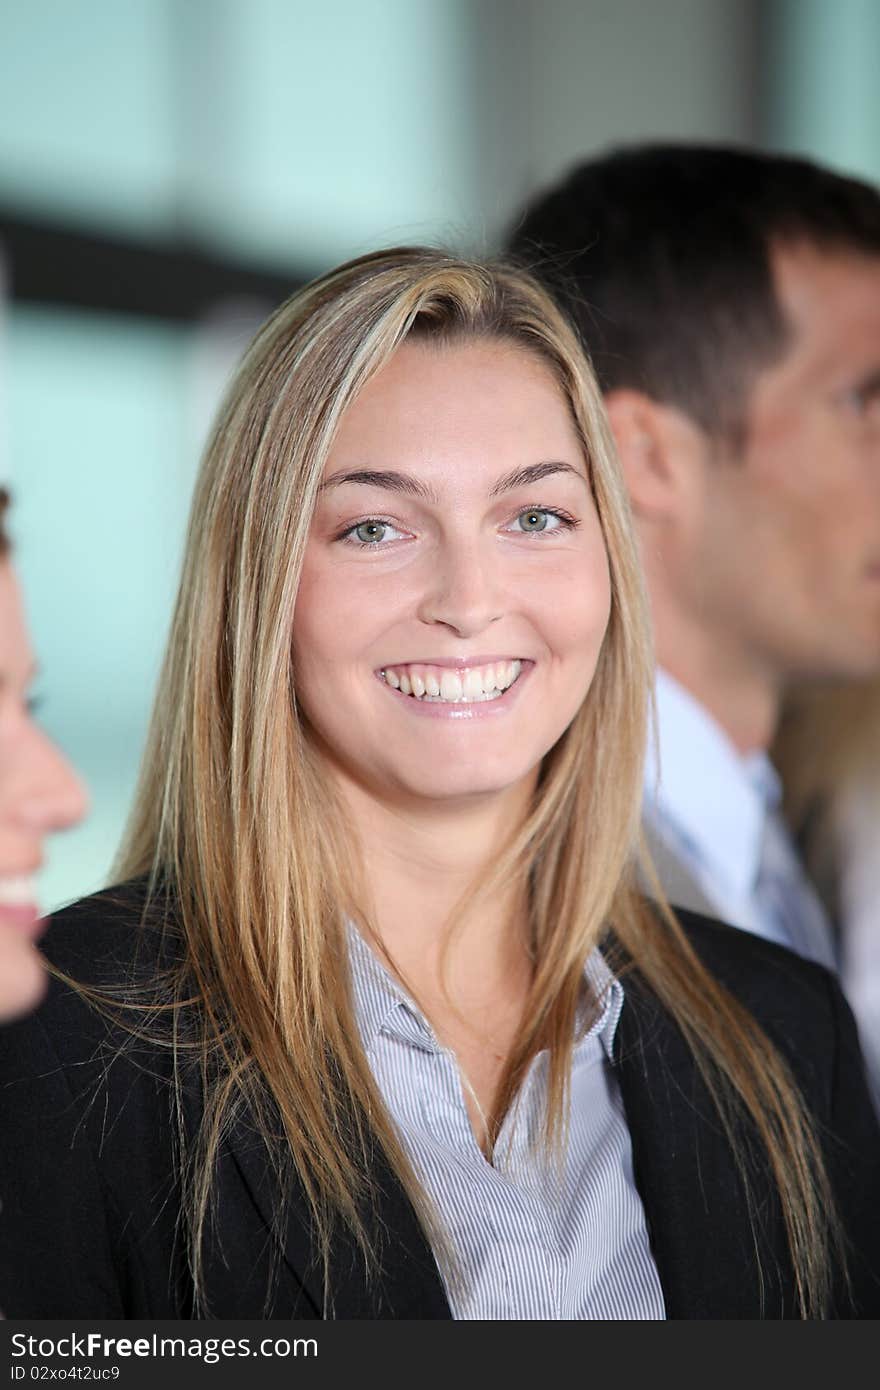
(716, 811)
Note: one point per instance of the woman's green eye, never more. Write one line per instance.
(532, 520)
(370, 531)
(372, 534)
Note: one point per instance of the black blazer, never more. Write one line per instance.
(90, 1198)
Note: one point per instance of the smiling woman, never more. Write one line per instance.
(38, 794)
(375, 1024)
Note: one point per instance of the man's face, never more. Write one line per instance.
(787, 536)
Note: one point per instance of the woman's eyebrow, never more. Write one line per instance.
(405, 482)
(394, 481)
(524, 477)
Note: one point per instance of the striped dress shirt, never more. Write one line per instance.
(531, 1237)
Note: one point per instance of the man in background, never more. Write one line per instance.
(730, 301)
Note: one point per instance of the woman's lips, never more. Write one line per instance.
(463, 709)
(23, 918)
(19, 909)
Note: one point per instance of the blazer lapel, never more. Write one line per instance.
(407, 1283)
(710, 1263)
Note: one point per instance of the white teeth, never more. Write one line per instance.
(450, 686)
(472, 684)
(513, 669)
(17, 890)
(469, 685)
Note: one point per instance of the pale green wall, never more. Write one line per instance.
(296, 132)
(320, 130)
(96, 430)
(87, 110)
(823, 82)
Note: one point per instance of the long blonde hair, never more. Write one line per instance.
(234, 811)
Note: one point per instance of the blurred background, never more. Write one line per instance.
(171, 169)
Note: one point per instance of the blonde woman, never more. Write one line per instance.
(375, 1026)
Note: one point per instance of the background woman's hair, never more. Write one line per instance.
(234, 812)
(5, 543)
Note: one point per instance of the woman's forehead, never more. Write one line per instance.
(462, 406)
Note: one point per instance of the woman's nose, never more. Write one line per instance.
(462, 593)
(52, 796)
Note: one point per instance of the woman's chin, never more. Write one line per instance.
(22, 976)
(453, 787)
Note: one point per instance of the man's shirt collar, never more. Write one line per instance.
(715, 798)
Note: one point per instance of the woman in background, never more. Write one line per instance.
(376, 1025)
(38, 794)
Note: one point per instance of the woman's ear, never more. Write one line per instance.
(658, 447)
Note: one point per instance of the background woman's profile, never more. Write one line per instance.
(38, 794)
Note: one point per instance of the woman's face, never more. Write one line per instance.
(455, 591)
(38, 793)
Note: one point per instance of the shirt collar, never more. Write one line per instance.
(382, 1005)
(716, 798)
(608, 991)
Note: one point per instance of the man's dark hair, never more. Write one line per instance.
(662, 254)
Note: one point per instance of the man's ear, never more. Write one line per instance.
(658, 446)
